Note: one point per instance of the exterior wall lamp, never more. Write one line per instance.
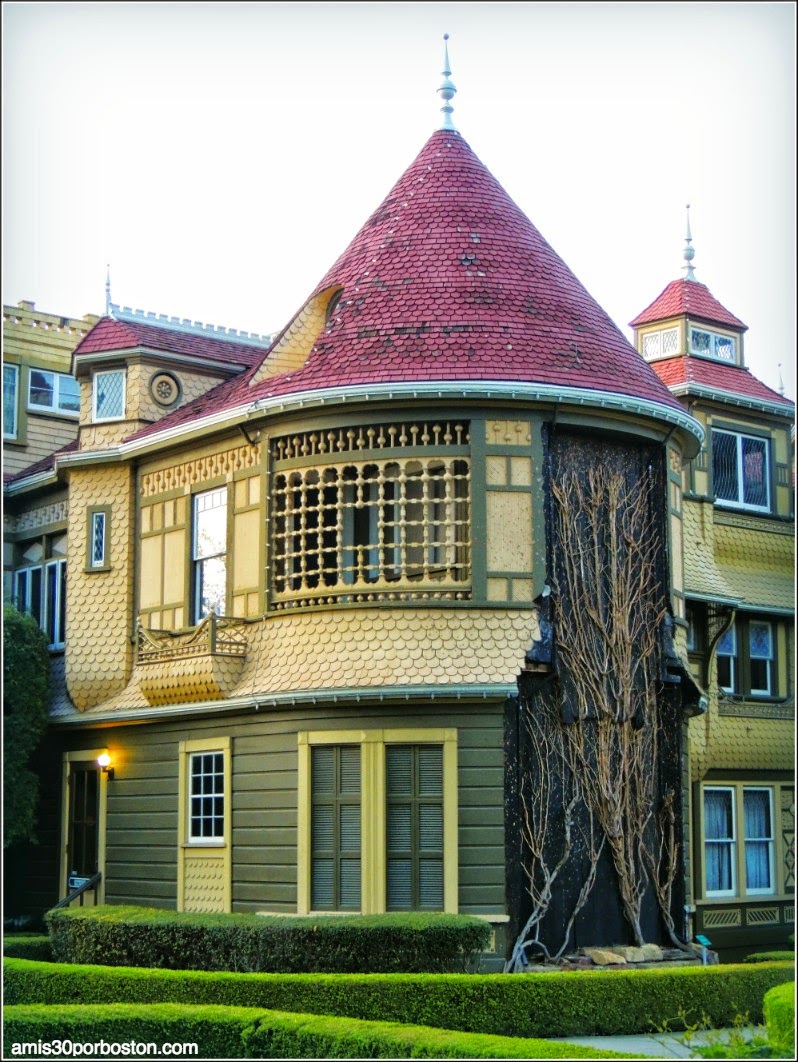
(104, 761)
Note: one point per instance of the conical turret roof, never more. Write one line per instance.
(448, 280)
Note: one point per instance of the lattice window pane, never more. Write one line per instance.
(109, 395)
(670, 341)
(393, 529)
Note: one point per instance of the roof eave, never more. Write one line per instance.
(732, 397)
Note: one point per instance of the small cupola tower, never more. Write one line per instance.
(687, 321)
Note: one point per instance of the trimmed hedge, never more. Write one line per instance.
(622, 1002)
(243, 1032)
(779, 1008)
(34, 946)
(140, 936)
(771, 956)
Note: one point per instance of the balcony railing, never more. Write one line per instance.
(215, 636)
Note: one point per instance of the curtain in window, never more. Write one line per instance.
(756, 805)
(719, 835)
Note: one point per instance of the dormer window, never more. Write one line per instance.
(109, 395)
(661, 344)
(741, 470)
(712, 345)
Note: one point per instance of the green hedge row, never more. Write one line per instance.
(139, 936)
(771, 956)
(28, 946)
(779, 1008)
(551, 1004)
(243, 1032)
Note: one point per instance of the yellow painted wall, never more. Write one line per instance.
(99, 654)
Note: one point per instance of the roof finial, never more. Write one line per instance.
(108, 312)
(781, 382)
(689, 251)
(447, 89)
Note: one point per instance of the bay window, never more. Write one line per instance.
(746, 659)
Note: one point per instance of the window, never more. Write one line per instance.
(746, 659)
(712, 345)
(40, 590)
(109, 395)
(741, 470)
(394, 527)
(97, 555)
(660, 344)
(732, 812)
(335, 828)
(378, 821)
(206, 803)
(414, 827)
(53, 392)
(10, 396)
(209, 553)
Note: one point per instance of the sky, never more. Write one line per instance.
(221, 156)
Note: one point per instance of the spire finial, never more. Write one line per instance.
(447, 89)
(689, 251)
(781, 382)
(108, 290)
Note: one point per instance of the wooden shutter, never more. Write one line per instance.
(414, 827)
(335, 828)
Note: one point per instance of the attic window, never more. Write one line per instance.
(332, 306)
(109, 395)
(661, 344)
(712, 345)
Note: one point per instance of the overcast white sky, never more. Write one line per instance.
(221, 156)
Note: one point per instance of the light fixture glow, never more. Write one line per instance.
(104, 761)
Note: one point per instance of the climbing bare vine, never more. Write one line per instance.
(602, 748)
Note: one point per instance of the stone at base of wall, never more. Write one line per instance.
(624, 957)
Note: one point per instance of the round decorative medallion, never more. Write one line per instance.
(164, 388)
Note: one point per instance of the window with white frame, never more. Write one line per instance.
(739, 840)
(712, 345)
(746, 658)
(741, 470)
(53, 392)
(209, 553)
(10, 401)
(206, 796)
(109, 395)
(661, 344)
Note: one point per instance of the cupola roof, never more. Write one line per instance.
(687, 297)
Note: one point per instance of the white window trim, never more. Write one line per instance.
(712, 352)
(771, 659)
(731, 842)
(770, 891)
(54, 407)
(739, 502)
(96, 418)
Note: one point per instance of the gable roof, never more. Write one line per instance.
(733, 380)
(111, 334)
(687, 297)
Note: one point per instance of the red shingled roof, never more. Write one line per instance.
(729, 379)
(109, 334)
(690, 298)
(448, 281)
(44, 464)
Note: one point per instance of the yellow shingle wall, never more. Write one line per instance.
(291, 351)
(374, 648)
(99, 651)
(702, 577)
(733, 743)
(756, 559)
(192, 385)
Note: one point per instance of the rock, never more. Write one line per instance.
(652, 952)
(604, 957)
(632, 954)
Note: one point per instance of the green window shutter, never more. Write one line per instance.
(414, 827)
(335, 827)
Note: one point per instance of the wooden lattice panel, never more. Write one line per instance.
(723, 918)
